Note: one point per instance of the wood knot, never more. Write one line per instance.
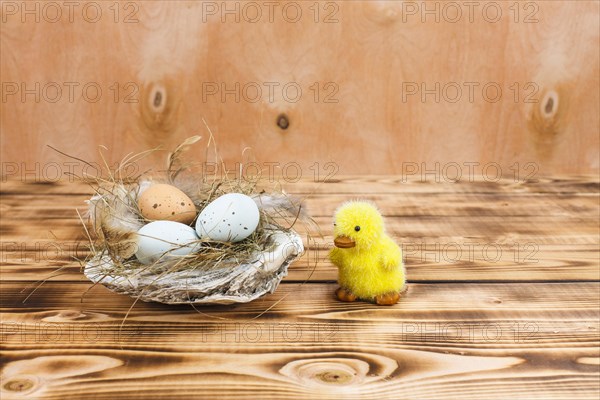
(549, 104)
(157, 107)
(157, 98)
(545, 121)
(71, 314)
(61, 316)
(22, 384)
(327, 371)
(283, 121)
(332, 372)
(338, 377)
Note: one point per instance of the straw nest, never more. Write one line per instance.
(218, 272)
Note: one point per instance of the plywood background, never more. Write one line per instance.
(366, 57)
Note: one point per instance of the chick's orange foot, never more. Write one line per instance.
(387, 299)
(345, 295)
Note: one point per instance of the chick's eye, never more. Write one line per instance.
(357, 228)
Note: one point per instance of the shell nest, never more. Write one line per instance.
(219, 272)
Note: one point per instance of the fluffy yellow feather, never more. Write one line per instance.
(369, 262)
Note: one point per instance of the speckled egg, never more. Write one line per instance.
(166, 202)
(230, 218)
(161, 240)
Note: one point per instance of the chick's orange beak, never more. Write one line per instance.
(344, 242)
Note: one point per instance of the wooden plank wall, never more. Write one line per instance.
(363, 69)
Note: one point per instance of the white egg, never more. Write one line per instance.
(230, 218)
(165, 239)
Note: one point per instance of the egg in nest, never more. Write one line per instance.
(166, 202)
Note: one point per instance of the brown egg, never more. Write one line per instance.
(166, 202)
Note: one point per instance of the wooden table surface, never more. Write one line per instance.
(503, 303)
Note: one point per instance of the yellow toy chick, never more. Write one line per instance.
(369, 262)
